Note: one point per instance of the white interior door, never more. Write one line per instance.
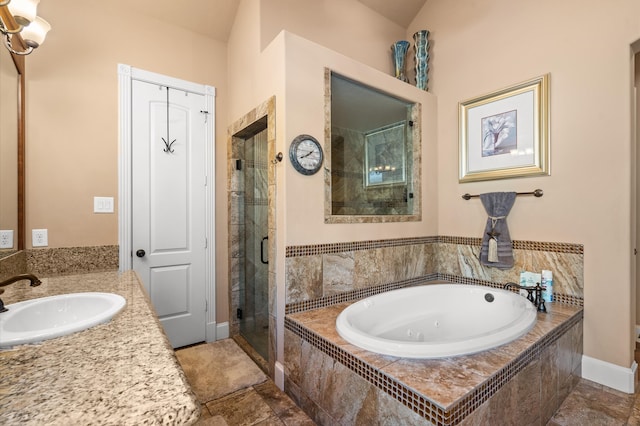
(169, 206)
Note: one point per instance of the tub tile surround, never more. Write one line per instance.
(344, 267)
(548, 358)
(523, 382)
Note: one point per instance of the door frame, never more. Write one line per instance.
(126, 74)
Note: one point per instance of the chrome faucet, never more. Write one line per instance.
(538, 302)
(34, 282)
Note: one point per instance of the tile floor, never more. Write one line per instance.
(233, 391)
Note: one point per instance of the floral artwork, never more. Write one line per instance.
(505, 134)
(499, 133)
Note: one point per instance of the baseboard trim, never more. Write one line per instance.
(610, 375)
(217, 331)
(279, 375)
(222, 330)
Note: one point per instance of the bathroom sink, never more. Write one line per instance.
(54, 316)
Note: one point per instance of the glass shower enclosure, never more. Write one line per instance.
(253, 314)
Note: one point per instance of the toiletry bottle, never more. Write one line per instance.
(523, 283)
(547, 282)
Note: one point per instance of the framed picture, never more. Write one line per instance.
(385, 156)
(505, 134)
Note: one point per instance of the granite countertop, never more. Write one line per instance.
(123, 372)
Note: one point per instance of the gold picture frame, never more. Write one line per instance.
(505, 134)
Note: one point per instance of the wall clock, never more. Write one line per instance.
(306, 155)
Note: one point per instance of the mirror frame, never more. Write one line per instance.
(416, 164)
(19, 62)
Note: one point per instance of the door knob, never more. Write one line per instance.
(140, 253)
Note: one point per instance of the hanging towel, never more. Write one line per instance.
(497, 250)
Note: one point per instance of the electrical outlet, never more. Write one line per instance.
(6, 239)
(103, 204)
(39, 238)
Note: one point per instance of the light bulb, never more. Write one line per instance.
(24, 11)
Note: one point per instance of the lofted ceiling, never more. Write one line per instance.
(401, 12)
(214, 18)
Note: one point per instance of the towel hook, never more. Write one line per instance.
(167, 144)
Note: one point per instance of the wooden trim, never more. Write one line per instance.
(19, 63)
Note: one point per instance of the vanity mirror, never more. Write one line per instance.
(373, 146)
(11, 150)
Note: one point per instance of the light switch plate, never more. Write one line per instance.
(39, 238)
(6, 239)
(103, 204)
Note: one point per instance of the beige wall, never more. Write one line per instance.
(72, 119)
(9, 145)
(483, 46)
(305, 114)
(330, 23)
(72, 113)
(344, 26)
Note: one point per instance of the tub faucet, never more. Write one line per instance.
(538, 301)
(34, 282)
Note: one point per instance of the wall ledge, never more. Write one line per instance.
(610, 375)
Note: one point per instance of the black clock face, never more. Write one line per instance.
(306, 155)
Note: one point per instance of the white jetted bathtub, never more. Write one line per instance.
(436, 320)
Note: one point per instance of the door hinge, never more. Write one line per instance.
(206, 115)
(206, 306)
(206, 242)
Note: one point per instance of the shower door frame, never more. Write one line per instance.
(251, 123)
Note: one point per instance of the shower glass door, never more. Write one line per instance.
(254, 297)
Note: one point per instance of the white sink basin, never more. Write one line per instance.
(48, 317)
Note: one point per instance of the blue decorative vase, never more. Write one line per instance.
(399, 51)
(422, 58)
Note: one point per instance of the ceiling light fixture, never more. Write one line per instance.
(18, 20)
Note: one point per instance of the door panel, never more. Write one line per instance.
(169, 206)
(169, 290)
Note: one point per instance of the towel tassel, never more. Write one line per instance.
(492, 255)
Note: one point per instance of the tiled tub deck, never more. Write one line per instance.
(523, 382)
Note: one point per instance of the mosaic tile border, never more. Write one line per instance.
(315, 249)
(419, 403)
(256, 201)
(557, 297)
(350, 296)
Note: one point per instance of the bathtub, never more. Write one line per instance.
(436, 320)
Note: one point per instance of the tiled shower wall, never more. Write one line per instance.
(325, 270)
(348, 195)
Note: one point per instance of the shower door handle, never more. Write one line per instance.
(266, 262)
